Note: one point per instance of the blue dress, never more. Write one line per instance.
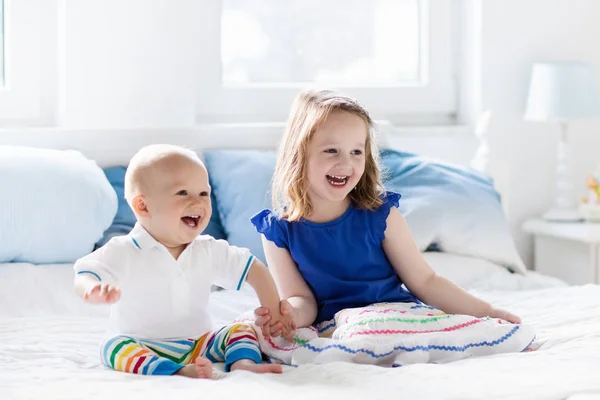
(343, 260)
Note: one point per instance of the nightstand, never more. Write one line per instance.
(566, 250)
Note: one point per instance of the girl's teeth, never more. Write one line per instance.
(337, 180)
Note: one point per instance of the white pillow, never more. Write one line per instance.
(463, 270)
(455, 208)
(473, 273)
(54, 205)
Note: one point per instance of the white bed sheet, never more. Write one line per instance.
(48, 350)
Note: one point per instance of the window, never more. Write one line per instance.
(270, 42)
(1, 43)
(396, 56)
(26, 36)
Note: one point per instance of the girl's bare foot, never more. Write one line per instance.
(202, 369)
(251, 366)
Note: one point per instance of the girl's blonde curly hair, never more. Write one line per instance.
(290, 185)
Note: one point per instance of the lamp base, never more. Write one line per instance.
(563, 215)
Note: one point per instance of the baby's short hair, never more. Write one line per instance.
(146, 159)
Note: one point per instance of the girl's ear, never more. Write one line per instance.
(139, 206)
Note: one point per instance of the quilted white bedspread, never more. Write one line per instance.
(55, 357)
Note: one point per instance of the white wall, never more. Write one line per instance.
(131, 64)
(517, 33)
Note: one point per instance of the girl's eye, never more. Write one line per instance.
(203, 194)
(331, 151)
(356, 152)
(182, 193)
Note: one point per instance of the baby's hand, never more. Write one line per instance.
(264, 320)
(102, 294)
(286, 322)
(505, 315)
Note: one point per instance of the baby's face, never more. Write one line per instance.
(179, 202)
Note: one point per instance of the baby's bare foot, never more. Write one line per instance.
(251, 366)
(201, 369)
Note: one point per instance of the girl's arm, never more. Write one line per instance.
(263, 284)
(423, 282)
(291, 284)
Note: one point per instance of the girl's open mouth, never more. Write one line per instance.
(337, 180)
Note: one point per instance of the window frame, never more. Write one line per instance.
(2, 77)
(433, 103)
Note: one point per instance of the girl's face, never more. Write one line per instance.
(336, 157)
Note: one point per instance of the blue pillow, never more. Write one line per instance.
(54, 205)
(116, 177)
(125, 219)
(215, 227)
(241, 180)
(454, 208)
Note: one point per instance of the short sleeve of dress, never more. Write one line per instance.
(269, 225)
(390, 199)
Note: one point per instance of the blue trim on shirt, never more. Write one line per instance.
(243, 278)
(136, 243)
(90, 272)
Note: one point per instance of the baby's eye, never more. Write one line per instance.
(204, 194)
(331, 151)
(182, 193)
(356, 152)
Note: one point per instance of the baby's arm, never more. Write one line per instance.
(424, 282)
(95, 276)
(261, 281)
(291, 284)
(90, 289)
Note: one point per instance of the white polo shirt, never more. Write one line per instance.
(164, 298)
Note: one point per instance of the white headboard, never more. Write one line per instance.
(110, 147)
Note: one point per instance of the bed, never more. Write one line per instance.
(49, 338)
(49, 346)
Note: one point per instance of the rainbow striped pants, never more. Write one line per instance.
(165, 357)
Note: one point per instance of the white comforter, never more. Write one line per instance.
(46, 354)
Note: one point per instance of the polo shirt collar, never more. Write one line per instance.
(141, 239)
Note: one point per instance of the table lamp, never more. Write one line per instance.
(561, 92)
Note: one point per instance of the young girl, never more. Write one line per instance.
(336, 239)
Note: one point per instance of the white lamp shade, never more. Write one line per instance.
(561, 91)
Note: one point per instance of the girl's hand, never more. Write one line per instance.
(505, 315)
(102, 294)
(287, 323)
(263, 316)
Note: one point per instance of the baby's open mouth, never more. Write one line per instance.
(191, 220)
(337, 180)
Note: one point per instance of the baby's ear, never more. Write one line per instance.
(139, 206)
